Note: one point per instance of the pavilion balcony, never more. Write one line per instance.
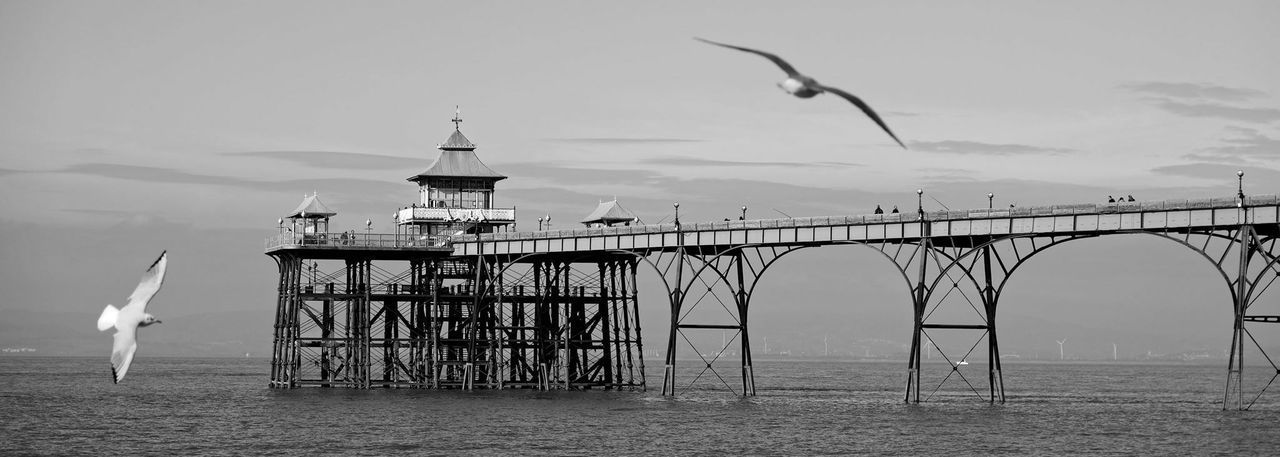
(412, 215)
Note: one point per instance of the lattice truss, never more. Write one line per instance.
(709, 290)
(567, 324)
(556, 321)
(958, 290)
(358, 324)
(1256, 313)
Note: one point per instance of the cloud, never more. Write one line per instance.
(1246, 144)
(692, 162)
(1203, 100)
(939, 174)
(1218, 171)
(974, 147)
(1209, 157)
(606, 140)
(121, 218)
(151, 174)
(1218, 110)
(565, 174)
(6, 172)
(171, 176)
(1192, 90)
(339, 160)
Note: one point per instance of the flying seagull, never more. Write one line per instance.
(126, 320)
(805, 87)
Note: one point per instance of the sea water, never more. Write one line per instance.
(171, 406)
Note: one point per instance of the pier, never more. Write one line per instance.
(456, 299)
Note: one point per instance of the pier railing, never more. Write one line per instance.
(356, 240)
(931, 216)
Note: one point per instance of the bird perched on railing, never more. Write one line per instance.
(804, 86)
(128, 319)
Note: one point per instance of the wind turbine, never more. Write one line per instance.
(1060, 354)
(1114, 354)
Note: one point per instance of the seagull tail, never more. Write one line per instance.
(108, 318)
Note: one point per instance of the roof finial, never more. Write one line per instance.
(457, 117)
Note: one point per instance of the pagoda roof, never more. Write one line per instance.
(608, 213)
(458, 141)
(312, 208)
(458, 159)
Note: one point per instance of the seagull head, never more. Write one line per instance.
(148, 319)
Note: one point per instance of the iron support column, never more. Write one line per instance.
(473, 322)
(748, 374)
(676, 297)
(1235, 362)
(918, 302)
(634, 296)
(989, 298)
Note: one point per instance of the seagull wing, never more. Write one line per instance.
(149, 285)
(122, 353)
(108, 318)
(865, 109)
(791, 71)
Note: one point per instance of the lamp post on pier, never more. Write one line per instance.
(1240, 188)
(920, 202)
(677, 206)
(744, 213)
(990, 199)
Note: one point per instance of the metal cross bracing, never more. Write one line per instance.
(354, 323)
(483, 322)
(723, 279)
(972, 272)
(542, 310)
(1258, 268)
(566, 323)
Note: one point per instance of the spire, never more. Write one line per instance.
(457, 141)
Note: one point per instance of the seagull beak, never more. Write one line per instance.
(158, 321)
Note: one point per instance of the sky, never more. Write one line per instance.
(132, 127)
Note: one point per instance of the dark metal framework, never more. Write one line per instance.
(565, 324)
(446, 322)
(570, 320)
(955, 271)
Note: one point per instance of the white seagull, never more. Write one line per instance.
(126, 320)
(805, 87)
